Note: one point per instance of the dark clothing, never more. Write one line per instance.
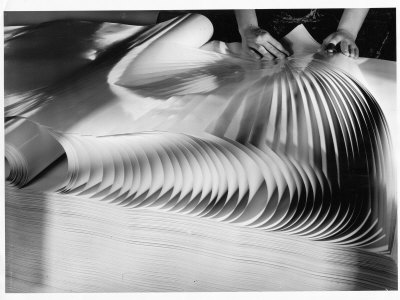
(376, 39)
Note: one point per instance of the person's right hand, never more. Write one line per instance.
(259, 44)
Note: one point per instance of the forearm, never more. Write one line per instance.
(246, 18)
(352, 20)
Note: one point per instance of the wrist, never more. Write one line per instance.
(348, 33)
(243, 30)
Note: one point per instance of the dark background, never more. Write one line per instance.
(376, 39)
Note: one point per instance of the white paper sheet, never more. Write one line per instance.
(277, 145)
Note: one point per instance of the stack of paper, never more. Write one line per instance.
(201, 149)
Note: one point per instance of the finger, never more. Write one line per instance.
(335, 39)
(327, 40)
(344, 47)
(278, 46)
(351, 52)
(330, 48)
(329, 44)
(253, 54)
(261, 51)
(266, 55)
(356, 52)
(248, 52)
(271, 49)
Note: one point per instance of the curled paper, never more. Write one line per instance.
(296, 145)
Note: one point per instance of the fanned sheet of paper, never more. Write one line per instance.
(164, 121)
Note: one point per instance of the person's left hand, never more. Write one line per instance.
(347, 42)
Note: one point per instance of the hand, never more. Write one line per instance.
(259, 44)
(346, 40)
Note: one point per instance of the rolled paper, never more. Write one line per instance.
(298, 147)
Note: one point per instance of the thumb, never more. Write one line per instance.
(335, 40)
(331, 39)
